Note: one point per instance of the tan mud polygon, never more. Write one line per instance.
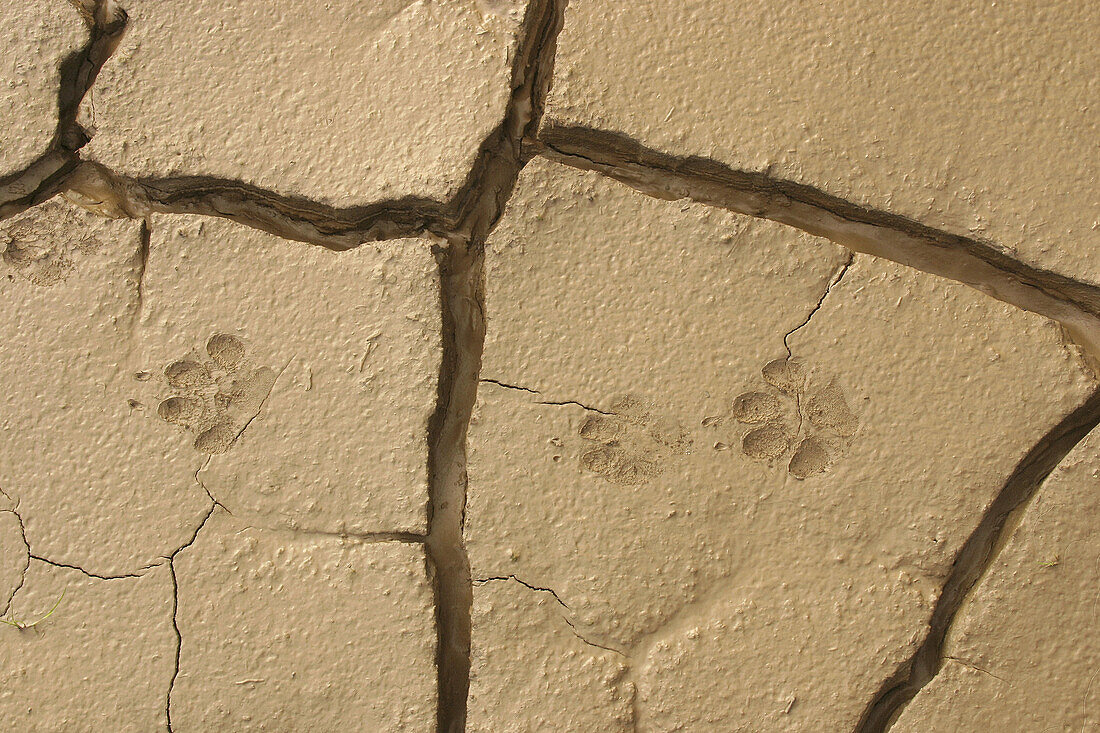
(300, 632)
(14, 557)
(103, 660)
(98, 484)
(320, 424)
(327, 405)
(342, 101)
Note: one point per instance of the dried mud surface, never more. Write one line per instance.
(511, 365)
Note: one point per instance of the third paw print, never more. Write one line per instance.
(797, 414)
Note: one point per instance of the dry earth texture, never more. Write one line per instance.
(516, 366)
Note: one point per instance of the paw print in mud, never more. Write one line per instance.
(795, 414)
(215, 396)
(39, 244)
(630, 445)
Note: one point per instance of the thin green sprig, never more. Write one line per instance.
(25, 625)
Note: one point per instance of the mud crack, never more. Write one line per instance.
(564, 616)
(474, 212)
(170, 561)
(978, 264)
(26, 564)
(179, 646)
(89, 573)
(140, 267)
(97, 188)
(48, 175)
(463, 340)
(973, 561)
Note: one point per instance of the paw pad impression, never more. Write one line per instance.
(791, 415)
(38, 245)
(215, 395)
(631, 445)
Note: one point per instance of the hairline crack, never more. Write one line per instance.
(564, 616)
(561, 403)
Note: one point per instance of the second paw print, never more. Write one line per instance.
(215, 394)
(632, 444)
(793, 414)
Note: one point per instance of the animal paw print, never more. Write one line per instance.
(38, 245)
(215, 397)
(631, 445)
(823, 423)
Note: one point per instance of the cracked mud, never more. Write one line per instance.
(560, 394)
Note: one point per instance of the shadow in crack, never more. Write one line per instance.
(974, 559)
(980, 264)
